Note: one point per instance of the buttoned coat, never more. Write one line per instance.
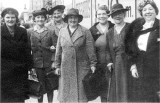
(74, 56)
(15, 62)
(43, 56)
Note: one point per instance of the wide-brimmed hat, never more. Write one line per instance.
(73, 12)
(61, 7)
(117, 8)
(9, 10)
(43, 11)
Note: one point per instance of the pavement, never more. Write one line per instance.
(34, 99)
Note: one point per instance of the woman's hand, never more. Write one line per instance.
(110, 66)
(134, 71)
(93, 69)
(57, 71)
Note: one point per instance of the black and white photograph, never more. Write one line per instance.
(80, 51)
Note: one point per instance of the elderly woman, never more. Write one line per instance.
(43, 42)
(98, 31)
(15, 58)
(117, 59)
(142, 45)
(57, 14)
(74, 58)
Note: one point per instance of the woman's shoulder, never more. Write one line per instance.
(94, 26)
(137, 24)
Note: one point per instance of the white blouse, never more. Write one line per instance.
(143, 39)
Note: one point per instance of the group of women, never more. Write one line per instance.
(128, 52)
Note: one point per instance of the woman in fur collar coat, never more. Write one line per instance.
(142, 45)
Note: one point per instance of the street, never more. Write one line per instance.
(34, 100)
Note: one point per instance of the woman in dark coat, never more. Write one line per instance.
(15, 58)
(117, 58)
(98, 31)
(142, 45)
(43, 42)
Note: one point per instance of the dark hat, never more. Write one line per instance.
(9, 10)
(73, 12)
(61, 7)
(43, 11)
(117, 8)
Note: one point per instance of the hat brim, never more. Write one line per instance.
(123, 10)
(80, 18)
(61, 7)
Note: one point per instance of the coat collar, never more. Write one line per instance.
(42, 34)
(5, 32)
(77, 34)
(39, 30)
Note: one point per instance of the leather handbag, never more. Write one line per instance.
(35, 86)
(93, 83)
(52, 80)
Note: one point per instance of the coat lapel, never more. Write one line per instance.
(43, 34)
(65, 34)
(78, 33)
(153, 35)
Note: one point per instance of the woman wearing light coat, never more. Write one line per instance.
(74, 58)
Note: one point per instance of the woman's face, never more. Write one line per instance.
(40, 20)
(102, 16)
(73, 21)
(10, 19)
(118, 17)
(57, 15)
(148, 12)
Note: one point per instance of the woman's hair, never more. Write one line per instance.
(10, 11)
(103, 7)
(144, 3)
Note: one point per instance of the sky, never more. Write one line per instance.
(17, 4)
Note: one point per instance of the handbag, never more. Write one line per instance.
(52, 80)
(34, 85)
(93, 82)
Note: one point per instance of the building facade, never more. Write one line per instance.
(88, 9)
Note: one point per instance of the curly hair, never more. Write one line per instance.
(144, 3)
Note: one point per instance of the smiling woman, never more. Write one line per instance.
(15, 58)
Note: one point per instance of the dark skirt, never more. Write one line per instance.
(103, 91)
(145, 88)
(47, 84)
(118, 88)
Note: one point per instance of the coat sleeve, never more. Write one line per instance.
(108, 51)
(58, 52)
(90, 48)
(29, 58)
(54, 43)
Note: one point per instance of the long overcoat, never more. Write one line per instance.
(145, 88)
(74, 55)
(117, 56)
(16, 60)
